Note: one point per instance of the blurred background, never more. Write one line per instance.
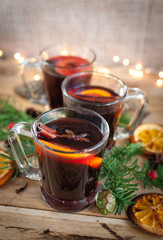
(124, 28)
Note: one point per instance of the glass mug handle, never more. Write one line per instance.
(132, 95)
(21, 158)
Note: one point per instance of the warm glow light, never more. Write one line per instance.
(18, 57)
(147, 71)
(102, 70)
(131, 72)
(139, 74)
(1, 53)
(32, 59)
(138, 67)
(116, 59)
(159, 82)
(160, 74)
(135, 73)
(126, 62)
(21, 60)
(36, 77)
(64, 52)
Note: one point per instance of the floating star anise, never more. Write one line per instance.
(81, 137)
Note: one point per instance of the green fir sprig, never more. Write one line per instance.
(8, 114)
(121, 174)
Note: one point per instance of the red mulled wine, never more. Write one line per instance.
(69, 174)
(99, 99)
(55, 70)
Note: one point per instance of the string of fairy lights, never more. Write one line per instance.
(136, 71)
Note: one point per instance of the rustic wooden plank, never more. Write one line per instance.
(31, 224)
(31, 197)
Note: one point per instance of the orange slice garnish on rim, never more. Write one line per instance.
(96, 92)
(64, 153)
(68, 65)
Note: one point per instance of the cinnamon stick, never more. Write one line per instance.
(45, 132)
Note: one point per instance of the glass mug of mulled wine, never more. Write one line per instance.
(60, 61)
(56, 63)
(70, 144)
(107, 95)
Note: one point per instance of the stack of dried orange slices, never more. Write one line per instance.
(147, 212)
(6, 169)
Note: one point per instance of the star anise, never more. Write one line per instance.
(81, 137)
(155, 160)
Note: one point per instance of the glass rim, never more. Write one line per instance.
(86, 150)
(65, 92)
(60, 67)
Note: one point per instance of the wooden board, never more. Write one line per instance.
(25, 223)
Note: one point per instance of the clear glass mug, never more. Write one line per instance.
(56, 63)
(69, 177)
(109, 97)
(32, 77)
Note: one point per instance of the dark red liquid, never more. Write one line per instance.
(55, 72)
(70, 183)
(100, 97)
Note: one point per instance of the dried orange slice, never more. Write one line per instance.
(151, 135)
(6, 169)
(147, 212)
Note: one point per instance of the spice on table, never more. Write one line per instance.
(46, 231)
(18, 190)
(33, 112)
(155, 160)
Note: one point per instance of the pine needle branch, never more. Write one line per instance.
(121, 174)
(8, 114)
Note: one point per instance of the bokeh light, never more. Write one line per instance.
(116, 59)
(126, 62)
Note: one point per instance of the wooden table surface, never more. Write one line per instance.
(27, 216)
